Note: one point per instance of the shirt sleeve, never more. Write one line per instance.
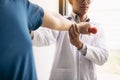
(35, 15)
(97, 52)
(44, 37)
(83, 49)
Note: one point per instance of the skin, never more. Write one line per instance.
(56, 21)
(80, 7)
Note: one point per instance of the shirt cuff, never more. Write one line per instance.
(83, 50)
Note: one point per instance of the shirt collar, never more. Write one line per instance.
(77, 18)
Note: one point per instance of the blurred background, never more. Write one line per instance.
(105, 12)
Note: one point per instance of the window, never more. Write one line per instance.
(63, 7)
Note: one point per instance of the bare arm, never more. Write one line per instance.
(56, 21)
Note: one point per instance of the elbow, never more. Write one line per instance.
(101, 62)
(103, 59)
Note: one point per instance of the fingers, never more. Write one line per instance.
(74, 31)
(70, 32)
(83, 27)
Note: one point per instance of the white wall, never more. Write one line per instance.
(49, 4)
(107, 13)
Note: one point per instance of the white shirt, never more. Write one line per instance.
(69, 63)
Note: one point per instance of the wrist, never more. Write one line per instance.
(83, 50)
(80, 46)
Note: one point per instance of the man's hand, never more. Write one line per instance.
(74, 34)
(83, 27)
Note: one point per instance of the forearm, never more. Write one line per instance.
(96, 52)
(97, 55)
(55, 21)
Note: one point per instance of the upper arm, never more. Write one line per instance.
(54, 20)
(50, 20)
(35, 15)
